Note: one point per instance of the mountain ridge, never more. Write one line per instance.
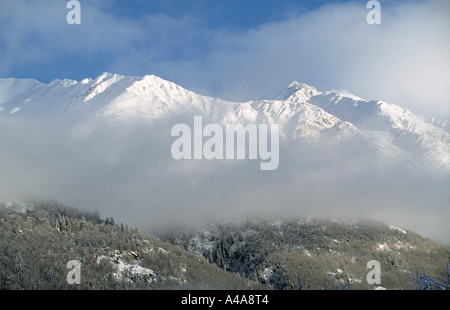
(300, 109)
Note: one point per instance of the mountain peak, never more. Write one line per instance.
(298, 90)
(298, 86)
(107, 75)
(157, 85)
(159, 82)
(154, 80)
(343, 93)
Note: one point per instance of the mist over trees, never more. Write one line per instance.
(316, 253)
(37, 242)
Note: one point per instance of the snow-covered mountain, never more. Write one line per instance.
(441, 123)
(127, 98)
(302, 112)
(391, 127)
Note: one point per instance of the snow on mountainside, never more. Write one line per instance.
(126, 98)
(153, 97)
(34, 98)
(391, 127)
(441, 123)
(301, 111)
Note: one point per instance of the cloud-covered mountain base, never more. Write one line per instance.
(128, 173)
(105, 144)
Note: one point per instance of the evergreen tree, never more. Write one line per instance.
(426, 282)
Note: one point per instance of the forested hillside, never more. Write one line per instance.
(37, 243)
(317, 254)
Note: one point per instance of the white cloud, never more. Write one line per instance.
(126, 171)
(405, 60)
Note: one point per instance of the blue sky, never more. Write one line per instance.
(239, 49)
(236, 16)
(217, 13)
